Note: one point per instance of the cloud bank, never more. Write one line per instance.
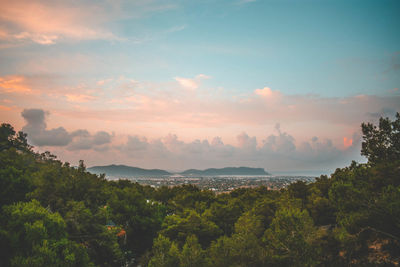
(275, 152)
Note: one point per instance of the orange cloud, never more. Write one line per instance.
(347, 142)
(46, 22)
(79, 98)
(5, 108)
(14, 84)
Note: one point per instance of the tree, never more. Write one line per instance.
(179, 227)
(299, 190)
(90, 229)
(290, 237)
(9, 138)
(243, 248)
(367, 200)
(166, 253)
(16, 172)
(192, 254)
(382, 143)
(140, 218)
(37, 237)
(224, 215)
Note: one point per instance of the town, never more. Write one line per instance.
(223, 184)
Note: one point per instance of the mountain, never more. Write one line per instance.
(126, 171)
(226, 171)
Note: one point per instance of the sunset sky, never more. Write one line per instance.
(278, 84)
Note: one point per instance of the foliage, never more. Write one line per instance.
(37, 237)
(382, 143)
(179, 227)
(290, 237)
(10, 139)
(243, 248)
(166, 253)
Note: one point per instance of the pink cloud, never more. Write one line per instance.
(177, 109)
(14, 84)
(45, 22)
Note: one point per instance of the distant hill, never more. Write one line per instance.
(126, 171)
(226, 171)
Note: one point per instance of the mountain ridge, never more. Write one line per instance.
(126, 171)
(130, 171)
(226, 171)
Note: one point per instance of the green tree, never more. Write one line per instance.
(289, 239)
(10, 139)
(367, 200)
(224, 215)
(192, 255)
(179, 227)
(166, 253)
(141, 218)
(37, 237)
(299, 189)
(243, 248)
(382, 143)
(90, 229)
(16, 172)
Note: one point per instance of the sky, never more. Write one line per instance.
(278, 84)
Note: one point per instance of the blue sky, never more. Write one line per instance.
(199, 70)
(329, 48)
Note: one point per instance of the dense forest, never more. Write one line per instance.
(53, 214)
